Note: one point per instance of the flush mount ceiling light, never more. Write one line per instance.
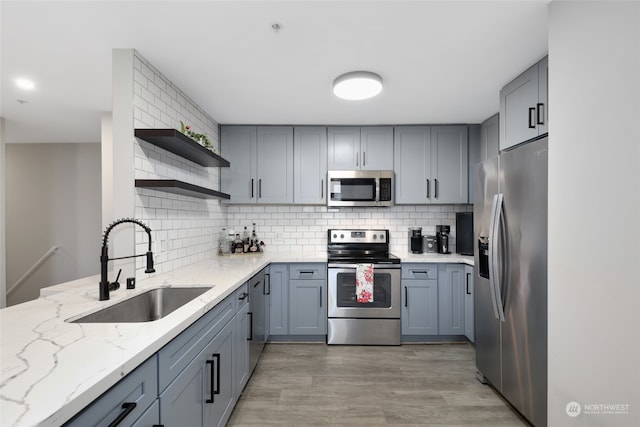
(25, 84)
(357, 85)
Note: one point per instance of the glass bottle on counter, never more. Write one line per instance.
(222, 242)
(245, 240)
(253, 247)
(238, 246)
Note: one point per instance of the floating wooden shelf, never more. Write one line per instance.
(180, 187)
(181, 145)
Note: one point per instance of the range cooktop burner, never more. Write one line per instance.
(359, 246)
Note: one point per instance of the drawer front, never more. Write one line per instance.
(140, 387)
(419, 271)
(307, 271)
(177, 354)
(241, 296)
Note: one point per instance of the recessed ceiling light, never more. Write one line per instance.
(25, 84)
(357, 85)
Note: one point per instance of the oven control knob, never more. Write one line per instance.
(382, 237)
(342, 236)
(335, 236)
(375, 236)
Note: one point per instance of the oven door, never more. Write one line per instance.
(342, 293)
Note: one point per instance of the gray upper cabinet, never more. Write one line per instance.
(524, 106)
(412, 165)
(262, 165)
(450, 164)
(309, 165)
(490, 138)
(431, 164)
(356, 148)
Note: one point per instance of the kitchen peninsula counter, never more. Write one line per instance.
(52, 369)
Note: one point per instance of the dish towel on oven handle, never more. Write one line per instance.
(364, 283)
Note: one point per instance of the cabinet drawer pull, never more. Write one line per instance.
(540, 113)
(425, 272)
(212, 380)
(532, 111)
(216, 356)
(406, 297)
(267, 289)
(320, 297)
(468, 274)
(127, 408)
(243, 296)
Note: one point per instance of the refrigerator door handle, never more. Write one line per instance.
(494, 270)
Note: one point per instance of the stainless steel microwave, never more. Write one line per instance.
(360, 188)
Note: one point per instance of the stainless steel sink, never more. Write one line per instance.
(148, 306)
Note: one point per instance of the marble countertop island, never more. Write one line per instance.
(52, 369)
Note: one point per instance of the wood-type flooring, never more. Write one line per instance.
(412, 385)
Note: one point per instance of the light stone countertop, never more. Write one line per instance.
(52, 369)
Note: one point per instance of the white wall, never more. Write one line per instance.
(594, 212)
(304, 228)
(184, 229)
(3, 271)
(52, 198)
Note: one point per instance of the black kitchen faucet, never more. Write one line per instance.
(105, 286)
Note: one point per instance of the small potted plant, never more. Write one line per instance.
(200, 138)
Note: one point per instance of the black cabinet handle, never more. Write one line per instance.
(127, 407)
(251, 184)
(532, 111)
(320, 296)
(260, 188)
(468, 274)
(322, 188)
(540, 113)
(250, 314)
(364, 158)
(212, 380)
(406, 296)
(216, 356)
(436, 185)
(243, 296)
(428, 189)
(267, 292)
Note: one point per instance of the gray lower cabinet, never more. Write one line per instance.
(469, 323)
(279, 278)
(451, 299)
(309, 165)
(130, 400)
(419, 299)
(308, 299)
(241, 340)
(202, 395)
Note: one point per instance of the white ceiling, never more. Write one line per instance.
(442, 62)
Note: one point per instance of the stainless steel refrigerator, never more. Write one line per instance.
(510, 223)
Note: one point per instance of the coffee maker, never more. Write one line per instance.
(442, 234)
(415, 240)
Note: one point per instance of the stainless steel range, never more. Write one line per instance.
(377, 321)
